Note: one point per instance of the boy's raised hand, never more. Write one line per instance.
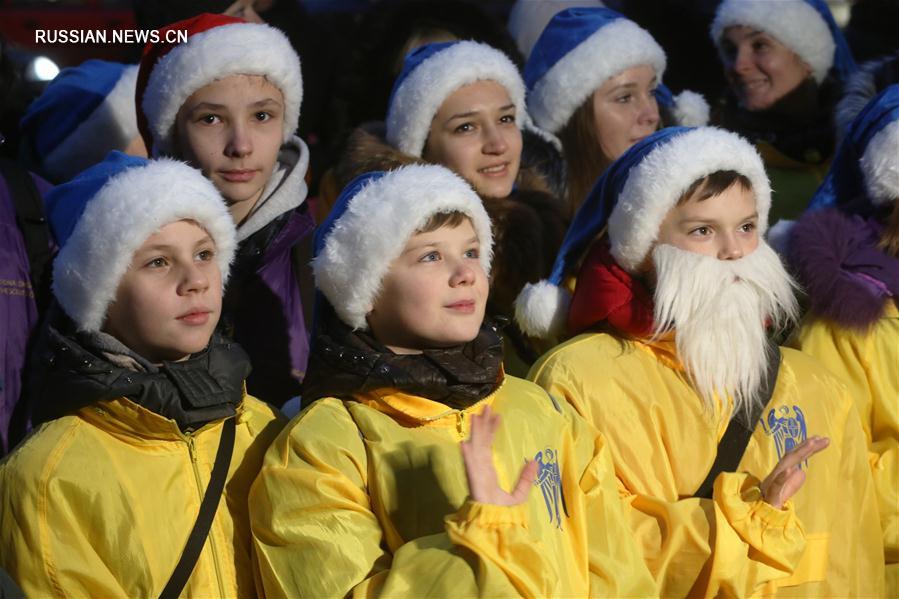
(477, 452)
(787, 477)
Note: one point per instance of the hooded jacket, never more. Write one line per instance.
(824, 543)
(368, 494)
(853, 329)
(100, 499)
(528, 228)
(263, 305)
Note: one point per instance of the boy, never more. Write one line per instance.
(141, 414)
(227, 102)
(677, 371)
(367, 490)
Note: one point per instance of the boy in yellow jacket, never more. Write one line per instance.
(674, 366)
(392, 481)
(144, 429)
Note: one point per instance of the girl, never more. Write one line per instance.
(594, 80)
(461, 105)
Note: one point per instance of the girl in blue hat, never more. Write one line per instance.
(845, 252)
(594, 80)
(462, 105)
(785, 62)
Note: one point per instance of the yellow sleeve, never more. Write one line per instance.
(45, 530)
(868, 369)
(316, 535)
(617, 568)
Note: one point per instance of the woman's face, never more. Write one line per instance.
(760, 69)
(625, 110)
(475, 134)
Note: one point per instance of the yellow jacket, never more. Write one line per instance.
(869, 365)
(663, 445)
(100, 503)
(369, 497)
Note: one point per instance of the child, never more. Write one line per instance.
(366, 491)
(845, 252)
(142, 410)
(710, 427)
(228, 102)
(595, 80)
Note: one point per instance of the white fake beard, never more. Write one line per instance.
(719, 309)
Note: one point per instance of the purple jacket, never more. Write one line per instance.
(263, 309)
(18, 311)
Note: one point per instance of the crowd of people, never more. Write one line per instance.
(543, 328)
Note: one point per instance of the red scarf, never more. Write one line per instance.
(605, 292)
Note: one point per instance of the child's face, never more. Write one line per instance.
(625, 110)
(434, 294)
(476, 135)
(232, 130)
(724, 226)
(170, 299)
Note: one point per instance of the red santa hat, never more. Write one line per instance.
(217, 46)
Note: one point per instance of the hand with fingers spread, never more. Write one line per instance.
(787, 477)
(477, 452)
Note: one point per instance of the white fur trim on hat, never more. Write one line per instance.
(665, 174)
(691, 109)
(528, 19)
(793, 23)
(614, 48)
(420, 96)
(236, 49)
(129, 208)
(111, 126)
(541, 309)
(880, 165)
(376, 226)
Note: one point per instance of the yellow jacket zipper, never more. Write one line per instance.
(192, 450)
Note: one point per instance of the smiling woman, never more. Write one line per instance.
(461, 105)
(784, 62)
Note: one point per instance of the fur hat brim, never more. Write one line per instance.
(130, 207)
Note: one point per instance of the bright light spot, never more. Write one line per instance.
(42, 69)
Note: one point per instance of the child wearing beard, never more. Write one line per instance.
(673, 299)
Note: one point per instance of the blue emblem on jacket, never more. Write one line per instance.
(787, 426)
(549, 479)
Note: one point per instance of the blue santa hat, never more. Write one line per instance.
(433, 72)
(578, 51)
(631, 199)
(528, 19)
(865, 169)
(85, 112)
(102, 216)
(806, 27)
(370, 224)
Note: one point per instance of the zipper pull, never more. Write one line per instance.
(192, 448)
(460, 423)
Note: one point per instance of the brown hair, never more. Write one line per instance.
(714, 184)
(583, 158)
(444, 219)
(889, 240)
